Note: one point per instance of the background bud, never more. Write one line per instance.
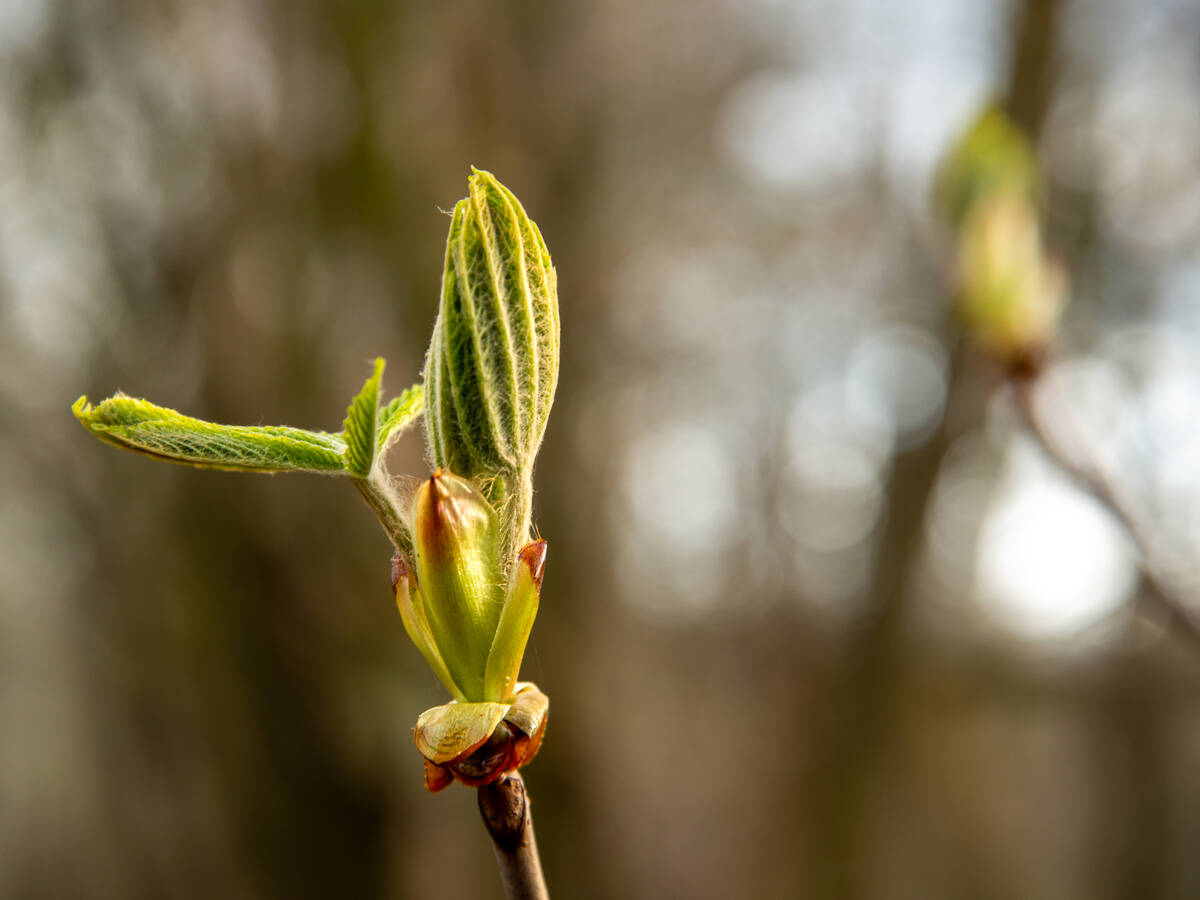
(1011, 294)
(993, 156)
(492, 365)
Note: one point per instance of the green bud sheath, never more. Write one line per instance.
(490, 376)
(516, 621)
(492, 366)
(459, 568)
(416, 623)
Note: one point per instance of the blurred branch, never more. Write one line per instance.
(504, 805)
(875, 680)
(1091, 479)
(1029, 88)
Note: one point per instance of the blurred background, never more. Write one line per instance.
(818, 620)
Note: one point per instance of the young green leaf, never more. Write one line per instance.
(492, 365)
(360, 431)
(398, 414)
(141, 426)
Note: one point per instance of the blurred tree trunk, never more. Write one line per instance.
(872, 682)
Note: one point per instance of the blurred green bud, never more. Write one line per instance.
(492, 365)
(992, 156)
(1011, 294)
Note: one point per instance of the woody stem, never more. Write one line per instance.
(504, 805)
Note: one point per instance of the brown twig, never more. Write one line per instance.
(504, 805)
(1092, 479)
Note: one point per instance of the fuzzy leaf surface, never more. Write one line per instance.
(359, 429)
(163, 433)
(399, 413)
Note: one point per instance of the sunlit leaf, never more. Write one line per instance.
(166, 434)
(359, 428)
(398, 413)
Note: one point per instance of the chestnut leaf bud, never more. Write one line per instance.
(470, 616)
(492, 364)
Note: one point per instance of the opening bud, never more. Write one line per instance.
(459, 574)
(492, 365)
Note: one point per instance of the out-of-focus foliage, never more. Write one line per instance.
(992, 157)
(799, 548)
(1010, 294)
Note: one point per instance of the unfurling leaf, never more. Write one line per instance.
(359, 429)
(166, 434)
(162, 433)
(397, 414)
(492, 365)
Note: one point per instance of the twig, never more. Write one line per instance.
(377, 490)
(504, 805)
(1093, 481)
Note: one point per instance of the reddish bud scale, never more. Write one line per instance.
(513, 742)
(533, 555)
(508, 748)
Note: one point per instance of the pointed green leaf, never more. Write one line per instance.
(398, 414)
(166, 434)
(359, 428)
